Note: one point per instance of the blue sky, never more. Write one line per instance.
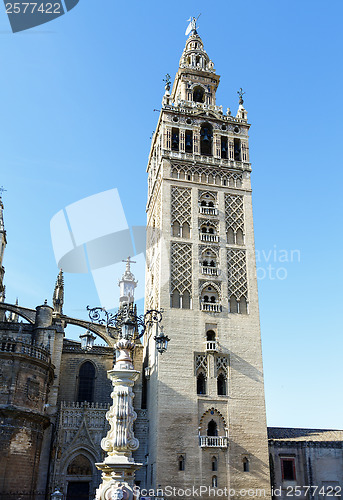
(76, 119)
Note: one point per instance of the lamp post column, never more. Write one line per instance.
(119, 467)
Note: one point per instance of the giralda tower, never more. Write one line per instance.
(205, 396)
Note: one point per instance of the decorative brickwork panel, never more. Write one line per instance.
(181, 202)
(153, 255)
(181, 267)
(201, 363)
(222, 364)
(237, 274)
(234, 212)
(207, 174)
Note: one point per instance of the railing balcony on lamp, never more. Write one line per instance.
(213, 441)
(208, 210)
(210, 306)
(213, 238)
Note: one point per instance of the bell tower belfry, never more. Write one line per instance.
(205, 397)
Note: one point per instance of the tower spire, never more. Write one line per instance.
(127, 284)
(58, 296)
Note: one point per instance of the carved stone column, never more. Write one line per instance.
(118, 468)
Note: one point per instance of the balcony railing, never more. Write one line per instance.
(213, 441)
(208, 210)
(213, 238)
(211, 345)
(25, 347)
(209, 271)
(210, 307)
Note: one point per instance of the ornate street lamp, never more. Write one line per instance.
(87, 340)
(129, 325)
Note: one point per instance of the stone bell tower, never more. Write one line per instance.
(205, 396)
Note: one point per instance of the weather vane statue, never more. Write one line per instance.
(241, 94)
(192, 25)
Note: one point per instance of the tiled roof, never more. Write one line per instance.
(295, 434)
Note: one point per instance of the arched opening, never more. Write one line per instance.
(186, 230)
(214, 482)
(210, 335)
(212, 429)
(206, 134)
(239, 237)
(230, 236)
(243, 307)
(221, 385)
(224, 147)
(175, 139)
(214, 463)
(233, 304)
(176, 228)
(201, 384)
(181, 461)
(198, 94)
(246, 464)
(189, 141)
(237, 149)
(86, 382)
(78, 486)
(175, 299)
(186, 300)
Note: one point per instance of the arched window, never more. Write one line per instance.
(175, 299)
(176, 228)
(233, 304)
(239, 237)
(201, 384)
(237, 149)
(181, 461)
(214, 482)
(189, 141)
(175, 139)
(210, 335)
(198, 94)
(186, 300)
(212, 428)
(206, 133)
(230, 236)
(214, 464)
(245, 464)
(243, 307)
(185, 230)
(224, 147)
(221, 385)
(86, 382)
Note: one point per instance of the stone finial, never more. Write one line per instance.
(58, 296)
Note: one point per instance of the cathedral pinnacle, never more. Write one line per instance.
(58, 296)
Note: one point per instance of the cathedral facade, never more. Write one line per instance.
(200, 407)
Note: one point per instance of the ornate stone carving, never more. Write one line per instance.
(181, 267)
(181, 199)
(234, 212)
